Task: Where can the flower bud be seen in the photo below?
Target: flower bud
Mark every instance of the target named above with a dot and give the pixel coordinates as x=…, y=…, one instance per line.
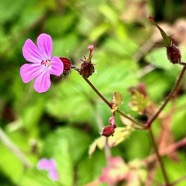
x=173, y=54
x=107, y=131
x=67, y=64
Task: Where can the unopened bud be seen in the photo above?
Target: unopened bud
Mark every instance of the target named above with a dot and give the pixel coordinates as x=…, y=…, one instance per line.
x=108, y=131
x=67, y=64
x=173, y=54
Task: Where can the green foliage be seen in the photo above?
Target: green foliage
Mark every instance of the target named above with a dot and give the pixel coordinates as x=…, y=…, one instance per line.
x=84, y=176
x=63, y=122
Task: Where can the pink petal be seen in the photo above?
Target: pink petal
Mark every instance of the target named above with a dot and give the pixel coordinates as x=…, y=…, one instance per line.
x=44, y=43
x=43, y=164
x=56, y=67
x=29, y=71
x=53, y=175
x=31, y=53
x=46, y=164
x=51, y=164
x=42, y=82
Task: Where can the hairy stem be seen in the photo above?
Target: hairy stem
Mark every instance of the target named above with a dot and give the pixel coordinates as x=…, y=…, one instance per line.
x=158, y=157
x=175, y=88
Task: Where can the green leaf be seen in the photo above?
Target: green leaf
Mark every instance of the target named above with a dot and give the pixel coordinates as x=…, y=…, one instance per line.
x=37, y=178
x=97, y=32
x=63, y=156
x=139, y=102
x=134, y=146
x=120, y=134
x=76, y=142
x=73, y=92
x=166, y=39
x=95, y=164
x=116, y=101
x=158, y=58
x=10, y=162
x=109, y=13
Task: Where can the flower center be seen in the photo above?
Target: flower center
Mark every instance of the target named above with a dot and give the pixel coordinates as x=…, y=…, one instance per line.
x=46, y=63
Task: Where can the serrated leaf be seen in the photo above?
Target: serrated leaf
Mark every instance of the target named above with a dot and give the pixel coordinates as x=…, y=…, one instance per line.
x=139, y=102
x=116, y=101
x=121, y=133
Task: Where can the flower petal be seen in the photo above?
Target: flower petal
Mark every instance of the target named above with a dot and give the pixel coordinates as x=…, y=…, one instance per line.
x=42, y=82
x=56, y=67
x=43, y=164
x=29, y=71
x=46, y=164
x=31, y=53
x=44, y=43
x=53, y=175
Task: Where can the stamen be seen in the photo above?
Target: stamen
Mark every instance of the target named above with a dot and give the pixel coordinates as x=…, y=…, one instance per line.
x=47, y=63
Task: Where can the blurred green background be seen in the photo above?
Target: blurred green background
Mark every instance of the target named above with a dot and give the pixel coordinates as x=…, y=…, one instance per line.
x=63, y=122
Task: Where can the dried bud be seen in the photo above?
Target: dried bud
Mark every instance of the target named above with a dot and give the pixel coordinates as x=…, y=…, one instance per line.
x=67, y=64
x=173, y=54
x=87, y=69
x=107, y=131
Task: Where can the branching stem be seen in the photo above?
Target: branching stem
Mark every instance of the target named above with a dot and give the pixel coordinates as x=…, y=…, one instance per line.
x=175, y=88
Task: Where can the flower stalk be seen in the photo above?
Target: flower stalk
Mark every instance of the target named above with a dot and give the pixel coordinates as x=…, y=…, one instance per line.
x=159, y=157
x=137, y=124
x=171, y=94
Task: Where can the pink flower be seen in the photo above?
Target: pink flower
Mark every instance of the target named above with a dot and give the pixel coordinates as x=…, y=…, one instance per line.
x=42, y=63
x=50, y=166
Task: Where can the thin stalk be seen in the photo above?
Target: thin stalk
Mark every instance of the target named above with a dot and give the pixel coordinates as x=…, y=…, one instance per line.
x=159, y=157
x=10, y=145
x=140, y=126
x=175, y=88
x=100, y=125
x=97, y=92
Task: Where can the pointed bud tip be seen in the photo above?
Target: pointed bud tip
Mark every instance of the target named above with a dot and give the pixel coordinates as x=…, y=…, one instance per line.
x=151, y=19
x=91, y=47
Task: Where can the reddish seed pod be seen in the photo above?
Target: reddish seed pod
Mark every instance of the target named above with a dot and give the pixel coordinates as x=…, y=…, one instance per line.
x=87, y=69
x=173, y=54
